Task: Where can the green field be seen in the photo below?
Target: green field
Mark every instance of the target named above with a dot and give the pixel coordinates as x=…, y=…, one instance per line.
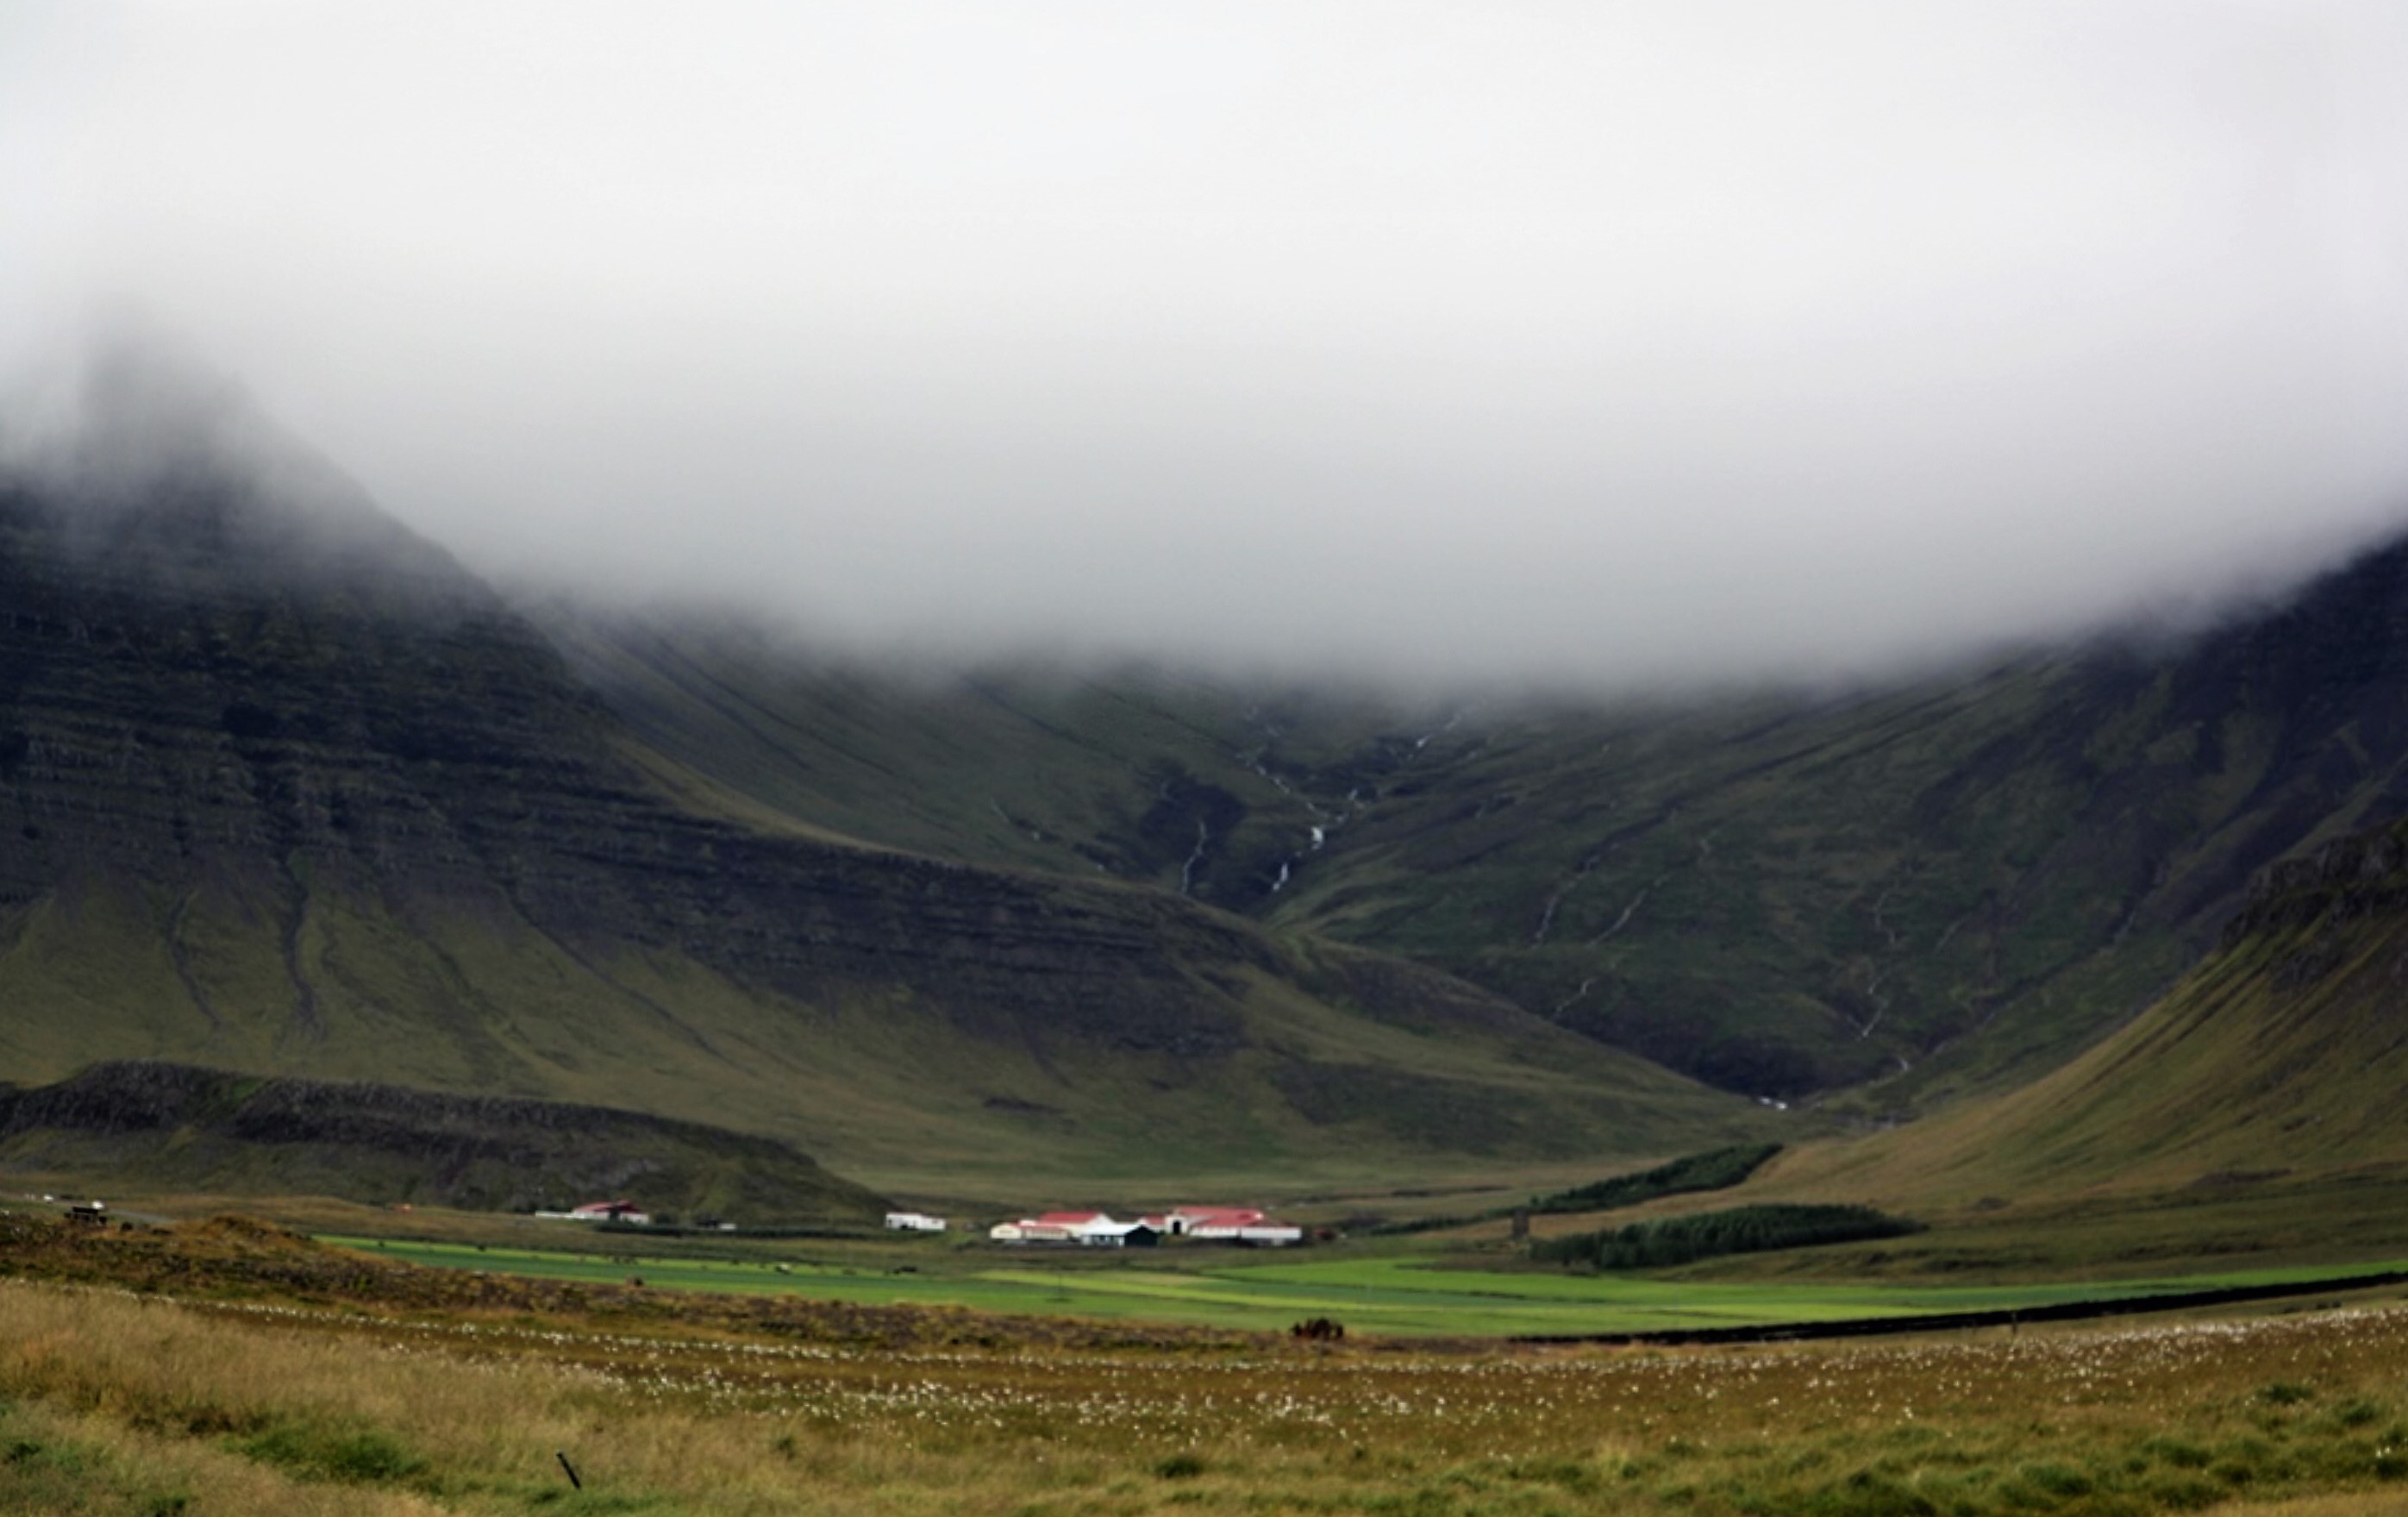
x=1390, y=1296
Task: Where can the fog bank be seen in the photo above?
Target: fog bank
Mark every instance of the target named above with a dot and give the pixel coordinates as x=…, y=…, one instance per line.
x=1583, y=343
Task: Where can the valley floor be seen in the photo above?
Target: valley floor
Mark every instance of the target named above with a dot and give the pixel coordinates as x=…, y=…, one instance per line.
x=1390, y=1296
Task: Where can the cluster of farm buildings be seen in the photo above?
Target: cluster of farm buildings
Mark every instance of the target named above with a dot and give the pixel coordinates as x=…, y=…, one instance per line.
x=1098, y=1229
x=625, y=1212
x=1088, y=1229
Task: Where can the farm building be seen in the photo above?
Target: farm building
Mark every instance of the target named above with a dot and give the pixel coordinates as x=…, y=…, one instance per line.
x=1094, y=1229
x=914, y=1221
x=1031, y=1230
x=1088, y=1229
x=1226, y=1224
x=1071, y=1226
x=611, y=1211
x=1209, y=1221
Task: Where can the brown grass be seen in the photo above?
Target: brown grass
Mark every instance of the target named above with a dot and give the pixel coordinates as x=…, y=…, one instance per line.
x=2353, y=1504
x=134, y=1403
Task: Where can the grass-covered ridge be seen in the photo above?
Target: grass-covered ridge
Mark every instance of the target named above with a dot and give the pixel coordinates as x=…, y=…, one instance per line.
x=210, y=1131
x=2273, y=1067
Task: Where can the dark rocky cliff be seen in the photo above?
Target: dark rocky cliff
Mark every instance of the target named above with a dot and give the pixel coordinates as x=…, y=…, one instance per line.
x=2361, y=875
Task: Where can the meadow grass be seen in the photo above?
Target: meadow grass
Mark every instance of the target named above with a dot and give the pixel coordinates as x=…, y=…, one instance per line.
x=115, y=1403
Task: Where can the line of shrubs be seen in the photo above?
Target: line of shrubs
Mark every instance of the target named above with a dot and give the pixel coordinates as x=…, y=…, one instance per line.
x=1680, y=1240
x=1717, y=1169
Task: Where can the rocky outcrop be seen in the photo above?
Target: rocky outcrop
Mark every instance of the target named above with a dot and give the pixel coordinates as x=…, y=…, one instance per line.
x=2364, y=875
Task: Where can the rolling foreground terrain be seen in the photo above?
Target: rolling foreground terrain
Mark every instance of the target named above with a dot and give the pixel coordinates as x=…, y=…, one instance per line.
x=228, y=1367
x=284, y=790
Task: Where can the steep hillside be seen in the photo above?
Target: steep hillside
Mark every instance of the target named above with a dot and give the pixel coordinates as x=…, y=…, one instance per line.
x=2277, y=1062
x=174, y=1127
x=1144, y=774
x=1944, y=885
x=284, y=790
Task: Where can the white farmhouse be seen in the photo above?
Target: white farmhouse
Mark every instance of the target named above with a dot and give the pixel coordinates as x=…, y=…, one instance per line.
x=1088, y=1229
x=1226, y=1224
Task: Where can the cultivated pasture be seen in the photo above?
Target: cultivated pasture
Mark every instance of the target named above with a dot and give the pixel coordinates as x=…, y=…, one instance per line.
x=1391, y=1294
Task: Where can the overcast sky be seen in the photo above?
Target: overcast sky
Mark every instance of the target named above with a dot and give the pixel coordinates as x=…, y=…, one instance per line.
x=1583, y=340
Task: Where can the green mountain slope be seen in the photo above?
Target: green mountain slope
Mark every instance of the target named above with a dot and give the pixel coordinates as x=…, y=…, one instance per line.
x=2278, y=1062
x=284, y=790
x=1146, y=775
x=174, y=1127
x=1940, y=885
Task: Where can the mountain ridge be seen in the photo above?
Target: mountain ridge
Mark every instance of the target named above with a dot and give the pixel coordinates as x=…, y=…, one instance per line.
x=265, y=810
x=1910, y=891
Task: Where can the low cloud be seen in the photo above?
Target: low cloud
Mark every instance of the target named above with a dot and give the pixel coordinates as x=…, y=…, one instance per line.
x=1584, y=344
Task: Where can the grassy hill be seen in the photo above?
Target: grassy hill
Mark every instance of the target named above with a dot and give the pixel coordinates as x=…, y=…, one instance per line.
x=2281, y=1057
x=2251, y=1113
x=1917, y=890
x=284, y=790
x=174, y=1127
